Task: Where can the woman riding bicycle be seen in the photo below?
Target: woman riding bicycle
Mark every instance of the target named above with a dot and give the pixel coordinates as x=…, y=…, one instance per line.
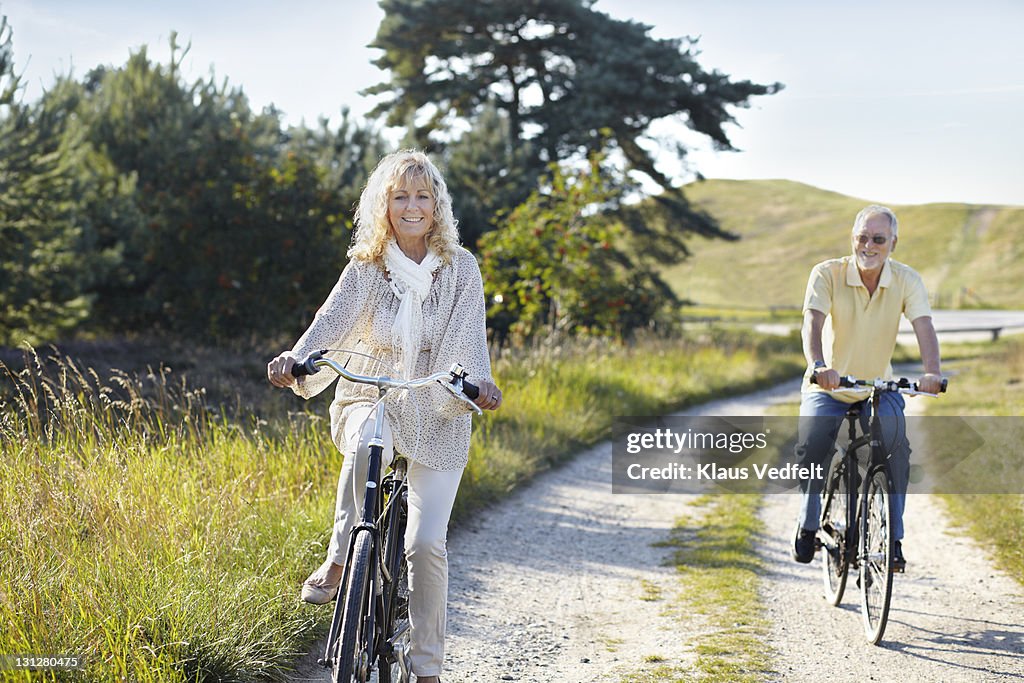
x=413, y=298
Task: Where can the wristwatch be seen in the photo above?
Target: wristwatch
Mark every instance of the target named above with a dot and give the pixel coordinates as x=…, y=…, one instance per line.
x=818, y=365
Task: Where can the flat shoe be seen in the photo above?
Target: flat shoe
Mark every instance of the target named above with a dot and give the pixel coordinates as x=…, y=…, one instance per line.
x=318, y=594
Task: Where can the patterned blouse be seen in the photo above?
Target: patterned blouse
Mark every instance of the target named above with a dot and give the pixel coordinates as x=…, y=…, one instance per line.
x=429, y=424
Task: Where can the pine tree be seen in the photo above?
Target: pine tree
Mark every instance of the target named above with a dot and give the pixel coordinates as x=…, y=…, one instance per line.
x=570, y=80
x=486, y=174
x=46, y=266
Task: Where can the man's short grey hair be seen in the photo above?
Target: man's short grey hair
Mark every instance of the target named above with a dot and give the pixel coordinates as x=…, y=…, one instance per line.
x=874, y=210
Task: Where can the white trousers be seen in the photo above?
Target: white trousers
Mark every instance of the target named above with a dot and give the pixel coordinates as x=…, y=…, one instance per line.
x=431, y=496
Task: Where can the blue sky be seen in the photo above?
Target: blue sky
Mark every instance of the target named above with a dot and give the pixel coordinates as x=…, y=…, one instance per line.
x=899, y=102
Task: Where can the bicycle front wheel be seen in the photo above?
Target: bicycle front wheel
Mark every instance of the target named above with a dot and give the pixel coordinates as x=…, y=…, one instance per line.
x=835, y=515
x=354, y=649
x=876, y=558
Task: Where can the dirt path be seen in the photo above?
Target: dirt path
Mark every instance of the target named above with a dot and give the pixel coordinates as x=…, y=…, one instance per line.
x=549, y=586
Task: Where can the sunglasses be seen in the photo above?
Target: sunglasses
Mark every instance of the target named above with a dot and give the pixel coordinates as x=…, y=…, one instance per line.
x=877, y=239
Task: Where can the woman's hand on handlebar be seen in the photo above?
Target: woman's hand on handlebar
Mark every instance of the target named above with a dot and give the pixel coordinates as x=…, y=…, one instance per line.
x=489, y=397
x=827, y=378
x=279, y=371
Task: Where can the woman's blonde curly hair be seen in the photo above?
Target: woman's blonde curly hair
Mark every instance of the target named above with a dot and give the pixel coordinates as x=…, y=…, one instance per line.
x=373, y=230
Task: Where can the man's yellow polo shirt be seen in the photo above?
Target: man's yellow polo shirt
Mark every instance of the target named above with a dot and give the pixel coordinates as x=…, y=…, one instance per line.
x=860, y=330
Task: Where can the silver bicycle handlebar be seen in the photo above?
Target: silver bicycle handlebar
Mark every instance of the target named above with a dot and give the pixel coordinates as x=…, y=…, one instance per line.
x=454, y=380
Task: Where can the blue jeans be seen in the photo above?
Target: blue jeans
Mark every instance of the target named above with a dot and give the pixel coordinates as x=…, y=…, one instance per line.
x=816, y=441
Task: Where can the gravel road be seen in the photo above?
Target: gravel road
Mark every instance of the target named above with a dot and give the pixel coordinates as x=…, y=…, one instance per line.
x=549, y=586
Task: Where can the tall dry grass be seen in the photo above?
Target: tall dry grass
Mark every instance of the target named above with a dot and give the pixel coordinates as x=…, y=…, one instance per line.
x=156, y=538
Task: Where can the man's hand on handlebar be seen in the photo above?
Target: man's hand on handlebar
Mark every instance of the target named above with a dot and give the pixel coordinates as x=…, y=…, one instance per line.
x=279, y=371
x=930, y=383
x=489, y=397
x=827, y=378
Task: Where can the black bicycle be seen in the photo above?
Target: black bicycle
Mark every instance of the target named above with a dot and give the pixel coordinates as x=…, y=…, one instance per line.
x=370, y=627
x=857, y=530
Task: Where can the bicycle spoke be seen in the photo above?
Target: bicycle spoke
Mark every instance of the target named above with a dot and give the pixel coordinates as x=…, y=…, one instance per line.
x=876, y=558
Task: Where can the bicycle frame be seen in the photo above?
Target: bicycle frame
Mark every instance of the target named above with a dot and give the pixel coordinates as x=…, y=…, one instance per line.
x=857, y=495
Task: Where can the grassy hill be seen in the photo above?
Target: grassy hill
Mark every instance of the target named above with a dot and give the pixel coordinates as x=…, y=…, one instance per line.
x=970, y=256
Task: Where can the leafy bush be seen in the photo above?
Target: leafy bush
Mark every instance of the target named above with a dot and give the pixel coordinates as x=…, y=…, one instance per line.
x=558, y=264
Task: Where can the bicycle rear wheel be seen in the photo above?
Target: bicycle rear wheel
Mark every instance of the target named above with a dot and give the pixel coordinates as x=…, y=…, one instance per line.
x=354, y=648
x=835, y=515
x=876, y=558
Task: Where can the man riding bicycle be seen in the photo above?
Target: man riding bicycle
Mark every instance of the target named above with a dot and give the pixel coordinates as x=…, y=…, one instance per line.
x=851, y=315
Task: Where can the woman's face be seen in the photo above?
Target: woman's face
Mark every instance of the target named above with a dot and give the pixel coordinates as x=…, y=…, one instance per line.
x=411, y=210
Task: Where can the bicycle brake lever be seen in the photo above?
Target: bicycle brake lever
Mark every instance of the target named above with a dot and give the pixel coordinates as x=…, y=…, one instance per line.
x=456, y=390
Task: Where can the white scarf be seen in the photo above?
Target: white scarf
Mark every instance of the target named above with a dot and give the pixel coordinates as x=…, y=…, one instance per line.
x=410, y=281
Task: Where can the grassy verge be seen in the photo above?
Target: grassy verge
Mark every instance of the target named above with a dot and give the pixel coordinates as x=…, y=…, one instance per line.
x=156, y=539
x=714, y=553
x=990, y=383
x=164, y=540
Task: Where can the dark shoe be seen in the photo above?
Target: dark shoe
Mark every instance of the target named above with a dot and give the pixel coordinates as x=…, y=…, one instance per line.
x=804, y=545
x=899, y=563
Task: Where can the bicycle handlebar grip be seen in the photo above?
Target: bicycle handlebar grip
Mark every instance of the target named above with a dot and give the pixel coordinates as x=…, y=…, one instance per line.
x=942, y=387
x=470, y=390
x=844, y=380
x=307, y=366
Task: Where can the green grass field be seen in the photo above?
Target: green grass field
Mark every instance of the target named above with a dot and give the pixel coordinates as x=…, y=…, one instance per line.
x=969, y=256
x=162, y=530
x=991, y=383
